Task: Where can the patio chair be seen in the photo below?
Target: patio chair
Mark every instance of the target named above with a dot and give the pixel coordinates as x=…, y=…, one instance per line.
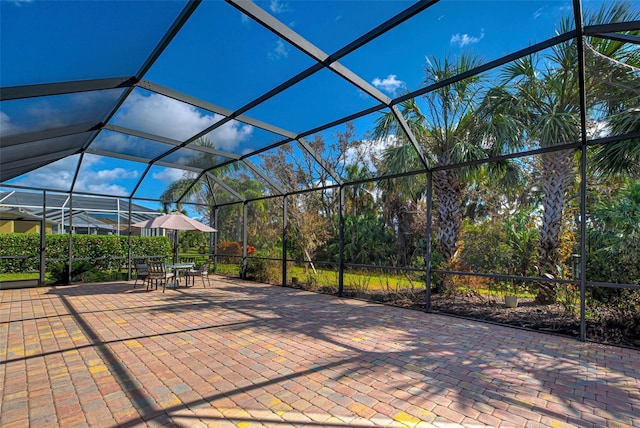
x=142, y=272
x=158, y=273
x=201, y=272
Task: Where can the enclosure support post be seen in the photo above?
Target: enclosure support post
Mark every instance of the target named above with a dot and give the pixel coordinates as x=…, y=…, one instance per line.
x=128, y=238
x=239, y=224
x=341, y=243
x=284, y=239
x=61, y=224
x=214, y=247
x=577, y=9
x=43, y=239
x=70, y=253
x=427, y=257
x=212, y=219
x=583, y=239
x=243, y=270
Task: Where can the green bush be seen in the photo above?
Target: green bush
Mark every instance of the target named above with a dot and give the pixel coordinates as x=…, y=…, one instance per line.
x=485, y=248
x=148, y=246
x=19, y=244
x=262, y=270
x=59, y=272
x=613, y=246
x=104, y=252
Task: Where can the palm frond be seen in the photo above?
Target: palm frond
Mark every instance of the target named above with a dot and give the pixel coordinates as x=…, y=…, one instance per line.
x=558, y=128
x=619, y=158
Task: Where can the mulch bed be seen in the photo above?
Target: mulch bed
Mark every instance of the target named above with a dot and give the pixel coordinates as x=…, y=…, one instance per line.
x=528, y=314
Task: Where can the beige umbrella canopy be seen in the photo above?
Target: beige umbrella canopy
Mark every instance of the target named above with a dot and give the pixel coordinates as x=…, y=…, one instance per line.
x=174, y=221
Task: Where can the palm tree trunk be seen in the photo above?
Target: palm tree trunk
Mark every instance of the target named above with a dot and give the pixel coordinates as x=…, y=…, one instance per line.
x=557, y=176
x=448, y=218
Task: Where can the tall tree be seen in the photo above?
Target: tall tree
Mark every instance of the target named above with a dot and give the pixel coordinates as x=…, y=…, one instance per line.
x=203, y=191
x=311, y=213
x=308, y=215
x=538, y=104
x=359, y=198
x=449, y=132
x=618, y=93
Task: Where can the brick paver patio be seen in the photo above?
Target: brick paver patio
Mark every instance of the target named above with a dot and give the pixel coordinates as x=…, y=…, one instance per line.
x=246, y=354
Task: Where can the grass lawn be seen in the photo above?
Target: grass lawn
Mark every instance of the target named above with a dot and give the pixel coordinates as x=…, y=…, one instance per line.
x=360, y=280
x=18, y=276
x=231, y=269
x=383, y=280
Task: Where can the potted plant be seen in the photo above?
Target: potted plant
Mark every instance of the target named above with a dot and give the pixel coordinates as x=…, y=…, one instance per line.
x=511, y=298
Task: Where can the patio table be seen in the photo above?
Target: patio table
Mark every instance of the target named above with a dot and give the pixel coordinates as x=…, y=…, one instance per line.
x=180, y=269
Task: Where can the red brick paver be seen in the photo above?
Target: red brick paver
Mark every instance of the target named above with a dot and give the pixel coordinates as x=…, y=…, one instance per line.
x=246, y=354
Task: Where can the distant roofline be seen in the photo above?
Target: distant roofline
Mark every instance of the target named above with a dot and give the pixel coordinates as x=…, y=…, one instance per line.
x=33, y=200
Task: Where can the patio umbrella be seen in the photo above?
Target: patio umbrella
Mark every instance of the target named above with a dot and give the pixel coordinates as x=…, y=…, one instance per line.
x=174, y=221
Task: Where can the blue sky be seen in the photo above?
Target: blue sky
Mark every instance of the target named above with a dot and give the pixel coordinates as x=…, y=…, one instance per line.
x=226, y=59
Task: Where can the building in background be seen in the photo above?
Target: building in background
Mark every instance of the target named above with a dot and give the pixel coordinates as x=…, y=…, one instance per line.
x=23, y=212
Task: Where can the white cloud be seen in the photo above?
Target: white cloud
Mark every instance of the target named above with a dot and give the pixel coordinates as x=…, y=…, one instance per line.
x=59, y=175
x=164, y=116
x=56, y=112
x=559, y=8
x=73, y=108
x=102, y=188
x=154, y=114
x=6, y=127
x=370, y=150
x=169, y=175
x=96, y=100
x=277, y=6
x=539, y=12
x=280, y=51
x=463, y=40
x=229, y=136
x=114, y=174
x=93, y=179
x=390, y=84
x=50, y=116
x=118, y=143
x=375, y=148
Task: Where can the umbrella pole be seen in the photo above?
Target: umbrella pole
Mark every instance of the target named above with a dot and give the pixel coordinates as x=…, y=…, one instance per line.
x=175, y=252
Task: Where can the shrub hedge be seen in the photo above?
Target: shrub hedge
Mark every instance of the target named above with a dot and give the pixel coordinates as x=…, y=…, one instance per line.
x=230, y=251
x=103, y=251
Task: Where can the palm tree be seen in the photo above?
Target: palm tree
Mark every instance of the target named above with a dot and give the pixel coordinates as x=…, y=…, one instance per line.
x=358, y=197
x=621, y=157
x=538, y=104
x=204, y=190
x=616, y=93
x=448, y=132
